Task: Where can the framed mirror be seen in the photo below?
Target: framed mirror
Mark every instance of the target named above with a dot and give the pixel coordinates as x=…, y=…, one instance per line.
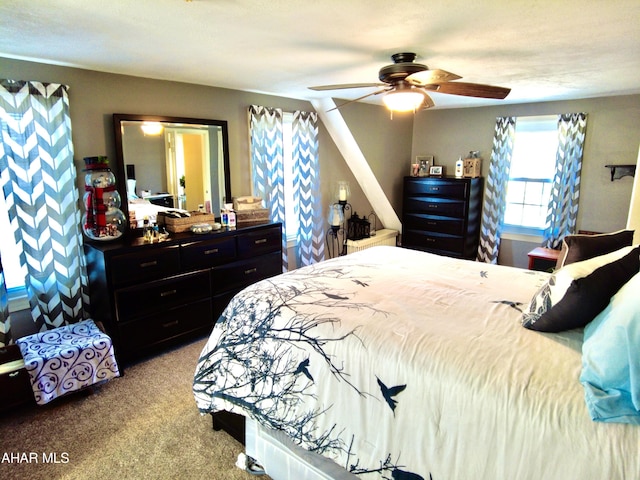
x=172, y=163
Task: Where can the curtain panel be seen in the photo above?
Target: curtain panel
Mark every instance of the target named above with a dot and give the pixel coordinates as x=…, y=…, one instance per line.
x=562, y=214
x=496, y=190
x=306, y=186
x=38, y=178
x=267, y=166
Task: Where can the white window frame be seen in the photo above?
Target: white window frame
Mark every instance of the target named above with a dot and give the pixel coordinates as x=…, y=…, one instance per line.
x=530, y=124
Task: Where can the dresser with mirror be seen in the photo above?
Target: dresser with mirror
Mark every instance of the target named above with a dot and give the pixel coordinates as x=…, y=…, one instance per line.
x=150, y=296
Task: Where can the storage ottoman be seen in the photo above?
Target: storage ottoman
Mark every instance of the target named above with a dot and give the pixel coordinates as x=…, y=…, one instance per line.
x=67, y=359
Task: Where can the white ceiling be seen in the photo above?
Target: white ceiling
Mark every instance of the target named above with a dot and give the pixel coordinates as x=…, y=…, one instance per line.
x=541, y=49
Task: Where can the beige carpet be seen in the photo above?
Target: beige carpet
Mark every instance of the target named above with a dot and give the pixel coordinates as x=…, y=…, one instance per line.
x=142, y=425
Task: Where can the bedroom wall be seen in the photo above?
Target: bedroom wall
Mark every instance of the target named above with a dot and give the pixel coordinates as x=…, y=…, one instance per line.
x=612, y=137
x=95, y=96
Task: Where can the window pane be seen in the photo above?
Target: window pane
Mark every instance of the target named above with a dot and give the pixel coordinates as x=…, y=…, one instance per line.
x=515, y=192
x=534, y=158
x=14, y=276
x=513, y=214
x=533, y=193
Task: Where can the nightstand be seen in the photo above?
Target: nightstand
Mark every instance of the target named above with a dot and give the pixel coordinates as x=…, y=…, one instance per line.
x=544, y=259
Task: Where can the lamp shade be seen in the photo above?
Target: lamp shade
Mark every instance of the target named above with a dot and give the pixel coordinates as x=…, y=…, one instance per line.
x=403, y=100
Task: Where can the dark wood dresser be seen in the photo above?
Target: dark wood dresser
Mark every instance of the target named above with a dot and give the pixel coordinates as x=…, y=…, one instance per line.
x=442, y=215
x=150, y=296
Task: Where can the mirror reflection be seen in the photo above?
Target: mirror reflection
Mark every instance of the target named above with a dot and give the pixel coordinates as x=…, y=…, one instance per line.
x=173, y=163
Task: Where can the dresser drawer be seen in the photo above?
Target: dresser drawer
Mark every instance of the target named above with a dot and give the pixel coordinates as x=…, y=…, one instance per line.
x=208, y=253
x=429, y=241
x=166, y=325
x=432, y=223
x=436, y=206
x=145, y=265
x=436, y=186
x=160, y=295
x=267, y=240
x=240, y=274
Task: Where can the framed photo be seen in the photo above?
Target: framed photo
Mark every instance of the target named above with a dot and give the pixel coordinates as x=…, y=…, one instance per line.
x=436, y=170
x=423, y=163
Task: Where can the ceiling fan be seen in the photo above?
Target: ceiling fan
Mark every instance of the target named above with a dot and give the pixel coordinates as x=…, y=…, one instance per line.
x=406, y=83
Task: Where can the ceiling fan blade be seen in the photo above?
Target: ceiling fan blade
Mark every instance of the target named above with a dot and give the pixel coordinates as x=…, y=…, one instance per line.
x=359, y=98
x=473, y=90
x=427, y=77
x=428, y=102
x=346, y=85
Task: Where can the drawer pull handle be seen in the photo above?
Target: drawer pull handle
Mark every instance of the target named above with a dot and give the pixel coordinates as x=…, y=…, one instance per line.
x=431, y=240
x=262, y=240
x=432, y=223
x=209, y=252
x=435, y=189
x=431, y=205
x=170, y=324
x=14, y=374
x=168, y=292
x=250, y=271
x=152, y=263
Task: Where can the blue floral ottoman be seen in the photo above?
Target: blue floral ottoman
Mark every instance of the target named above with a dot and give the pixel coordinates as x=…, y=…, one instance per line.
x=66, y=359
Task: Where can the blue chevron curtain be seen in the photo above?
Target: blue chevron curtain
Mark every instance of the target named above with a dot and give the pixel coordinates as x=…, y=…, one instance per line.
x=562, y=212
x=266, y=145
x=38, y=179
x=306, y=185
x=496, y=190
x=563, y=204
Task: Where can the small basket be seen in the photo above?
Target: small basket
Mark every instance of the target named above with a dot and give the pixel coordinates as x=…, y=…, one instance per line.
x=183, y=224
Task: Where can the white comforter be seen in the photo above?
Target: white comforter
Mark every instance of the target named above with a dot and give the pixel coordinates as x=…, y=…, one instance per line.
x=402, y=364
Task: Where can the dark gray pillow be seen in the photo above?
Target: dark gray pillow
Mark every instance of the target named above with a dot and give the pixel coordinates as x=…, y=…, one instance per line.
x=576, y=248
x=586, y=297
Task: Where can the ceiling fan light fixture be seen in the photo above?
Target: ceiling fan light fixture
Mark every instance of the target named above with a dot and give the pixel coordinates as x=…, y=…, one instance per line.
x=404, y=100
x=151, y=128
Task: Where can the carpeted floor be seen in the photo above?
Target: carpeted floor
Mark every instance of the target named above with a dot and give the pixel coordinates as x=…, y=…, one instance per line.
x=144, y=425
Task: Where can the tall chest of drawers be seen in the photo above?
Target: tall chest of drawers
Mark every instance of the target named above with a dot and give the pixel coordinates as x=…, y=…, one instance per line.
x=150, y=296
x=442, y=215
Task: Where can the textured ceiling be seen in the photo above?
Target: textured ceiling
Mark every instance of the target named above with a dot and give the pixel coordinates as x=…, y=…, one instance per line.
x=541, y=49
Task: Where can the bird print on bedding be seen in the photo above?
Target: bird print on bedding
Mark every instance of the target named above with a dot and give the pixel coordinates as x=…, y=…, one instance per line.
x=280, y=341
x=389, y=393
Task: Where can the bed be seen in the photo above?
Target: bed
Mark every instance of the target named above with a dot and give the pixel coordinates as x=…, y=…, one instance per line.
x=399, y=364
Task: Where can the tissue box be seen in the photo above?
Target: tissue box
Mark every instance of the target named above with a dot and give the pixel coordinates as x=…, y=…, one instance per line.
x=256, y=216
x=183, y=224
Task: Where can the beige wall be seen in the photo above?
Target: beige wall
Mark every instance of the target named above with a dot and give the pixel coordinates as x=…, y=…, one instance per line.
x=94, y=97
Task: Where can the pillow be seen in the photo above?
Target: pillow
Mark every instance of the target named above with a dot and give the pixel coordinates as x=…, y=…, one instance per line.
x=578, y=292
x=611, y=359
x=576, y=248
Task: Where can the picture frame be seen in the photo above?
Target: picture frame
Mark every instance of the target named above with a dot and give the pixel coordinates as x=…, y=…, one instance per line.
x=436, y=170
x=421, y=165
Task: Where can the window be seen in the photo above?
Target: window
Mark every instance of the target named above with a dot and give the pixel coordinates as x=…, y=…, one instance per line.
x=13, y=273
x=291, y=221
x=531, y=174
